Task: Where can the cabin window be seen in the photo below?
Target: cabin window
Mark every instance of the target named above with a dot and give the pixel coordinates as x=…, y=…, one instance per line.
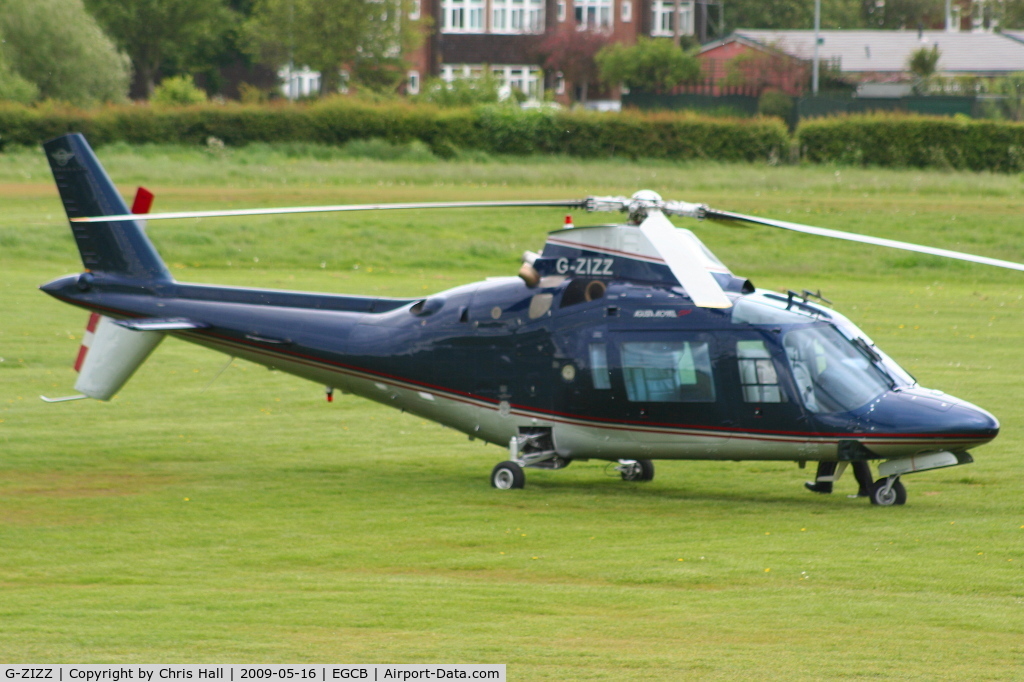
x=667, y=372
x=757, y=373
x=599, y=366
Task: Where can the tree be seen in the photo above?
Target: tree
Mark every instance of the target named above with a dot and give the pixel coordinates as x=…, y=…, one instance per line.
x=329, y=35
x=573, y=52
x=904, y=14
x=14, y=88
x=652, y=65
x=770, y=68
x=1013, y=14
x=161, y=33
x=1010, y=101
x=923, y=62
x=57, y=46
x=792, y=14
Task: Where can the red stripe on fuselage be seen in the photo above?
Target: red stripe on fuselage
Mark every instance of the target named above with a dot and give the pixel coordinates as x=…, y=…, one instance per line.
x=561, y=417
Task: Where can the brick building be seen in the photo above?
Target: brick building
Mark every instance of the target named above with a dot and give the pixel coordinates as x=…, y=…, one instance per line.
x=468, y=36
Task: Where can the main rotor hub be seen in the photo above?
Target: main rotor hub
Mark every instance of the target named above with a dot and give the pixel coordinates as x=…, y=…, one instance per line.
x=640, y=205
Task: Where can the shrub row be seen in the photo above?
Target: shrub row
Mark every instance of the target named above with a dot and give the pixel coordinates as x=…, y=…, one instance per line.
x=896, y=140
x=494, y=129
x=892, y=140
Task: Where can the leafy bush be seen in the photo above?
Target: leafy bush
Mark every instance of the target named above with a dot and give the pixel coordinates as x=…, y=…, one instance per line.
x=775, y=103
x=914, y=141
x=461, y=92
x=652, y=65
x=177, y=91
x=492, y=129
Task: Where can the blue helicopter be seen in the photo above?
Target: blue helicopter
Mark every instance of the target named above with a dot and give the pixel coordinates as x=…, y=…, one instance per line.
x=621, y=342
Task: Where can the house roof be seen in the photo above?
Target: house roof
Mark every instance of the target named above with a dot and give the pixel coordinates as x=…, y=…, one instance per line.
x=982, y=54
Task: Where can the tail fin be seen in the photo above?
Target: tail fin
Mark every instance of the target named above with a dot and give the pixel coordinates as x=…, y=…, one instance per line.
x=120, y=247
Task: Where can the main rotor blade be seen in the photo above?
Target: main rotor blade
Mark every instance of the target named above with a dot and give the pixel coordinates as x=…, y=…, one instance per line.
x=714, y=214
x=680, y=253
x=564, y=203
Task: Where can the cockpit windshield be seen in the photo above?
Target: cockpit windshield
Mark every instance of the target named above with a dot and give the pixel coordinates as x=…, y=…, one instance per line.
x=830, y=373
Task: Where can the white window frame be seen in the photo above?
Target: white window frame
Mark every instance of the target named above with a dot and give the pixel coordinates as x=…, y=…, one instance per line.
x=595, y=15
x=451, y=72
x=517, y=16
x=527, y=78
x=462, y=16
x=626, y=10
x=413, y=83
x=414, y=13
x=662, y=18
x=561, y=10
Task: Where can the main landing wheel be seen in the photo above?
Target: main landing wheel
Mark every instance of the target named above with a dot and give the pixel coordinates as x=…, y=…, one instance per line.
x=886, y=495
x=637, y=470
x=507, y=476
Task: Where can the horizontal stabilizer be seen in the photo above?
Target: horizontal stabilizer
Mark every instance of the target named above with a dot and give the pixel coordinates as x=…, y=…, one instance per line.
x=160, y=324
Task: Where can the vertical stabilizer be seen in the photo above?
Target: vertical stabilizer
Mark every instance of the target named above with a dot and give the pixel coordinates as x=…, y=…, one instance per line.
x=119, y=247
x=111, y=356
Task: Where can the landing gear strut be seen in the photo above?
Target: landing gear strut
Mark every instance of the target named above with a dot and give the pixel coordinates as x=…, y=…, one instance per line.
x=531, y=448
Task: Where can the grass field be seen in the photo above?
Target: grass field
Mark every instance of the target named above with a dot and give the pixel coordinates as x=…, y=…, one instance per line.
x=250, y=521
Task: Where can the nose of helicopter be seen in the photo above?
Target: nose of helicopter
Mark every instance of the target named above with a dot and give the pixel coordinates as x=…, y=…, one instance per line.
x=944, y=420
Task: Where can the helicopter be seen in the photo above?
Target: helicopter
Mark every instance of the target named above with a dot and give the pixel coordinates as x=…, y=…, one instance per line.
x=626, y=342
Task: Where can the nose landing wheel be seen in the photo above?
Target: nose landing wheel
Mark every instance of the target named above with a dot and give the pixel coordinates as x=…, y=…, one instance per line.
x=889, y=491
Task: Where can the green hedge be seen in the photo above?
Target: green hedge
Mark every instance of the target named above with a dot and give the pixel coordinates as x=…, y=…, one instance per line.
x=896, y=140
x=494, y=129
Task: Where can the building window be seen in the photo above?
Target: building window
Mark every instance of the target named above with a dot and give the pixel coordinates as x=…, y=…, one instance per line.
x=627, y=11
x=593, y=14
x=451, y=72
x=521, y=78
x=559, y=83
x=561, y=10
x=517, y=16
x=413, y=86
x=462, y=16
x=414, y=13
x=663, y=20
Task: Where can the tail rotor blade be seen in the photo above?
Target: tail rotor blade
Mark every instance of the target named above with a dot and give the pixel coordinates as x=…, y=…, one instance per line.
x=714, y=214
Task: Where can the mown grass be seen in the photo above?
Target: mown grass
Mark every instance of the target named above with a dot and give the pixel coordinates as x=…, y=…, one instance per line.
x=248, y=520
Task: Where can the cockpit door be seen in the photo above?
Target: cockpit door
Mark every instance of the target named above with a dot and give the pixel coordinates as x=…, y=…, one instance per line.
x=762, y=385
